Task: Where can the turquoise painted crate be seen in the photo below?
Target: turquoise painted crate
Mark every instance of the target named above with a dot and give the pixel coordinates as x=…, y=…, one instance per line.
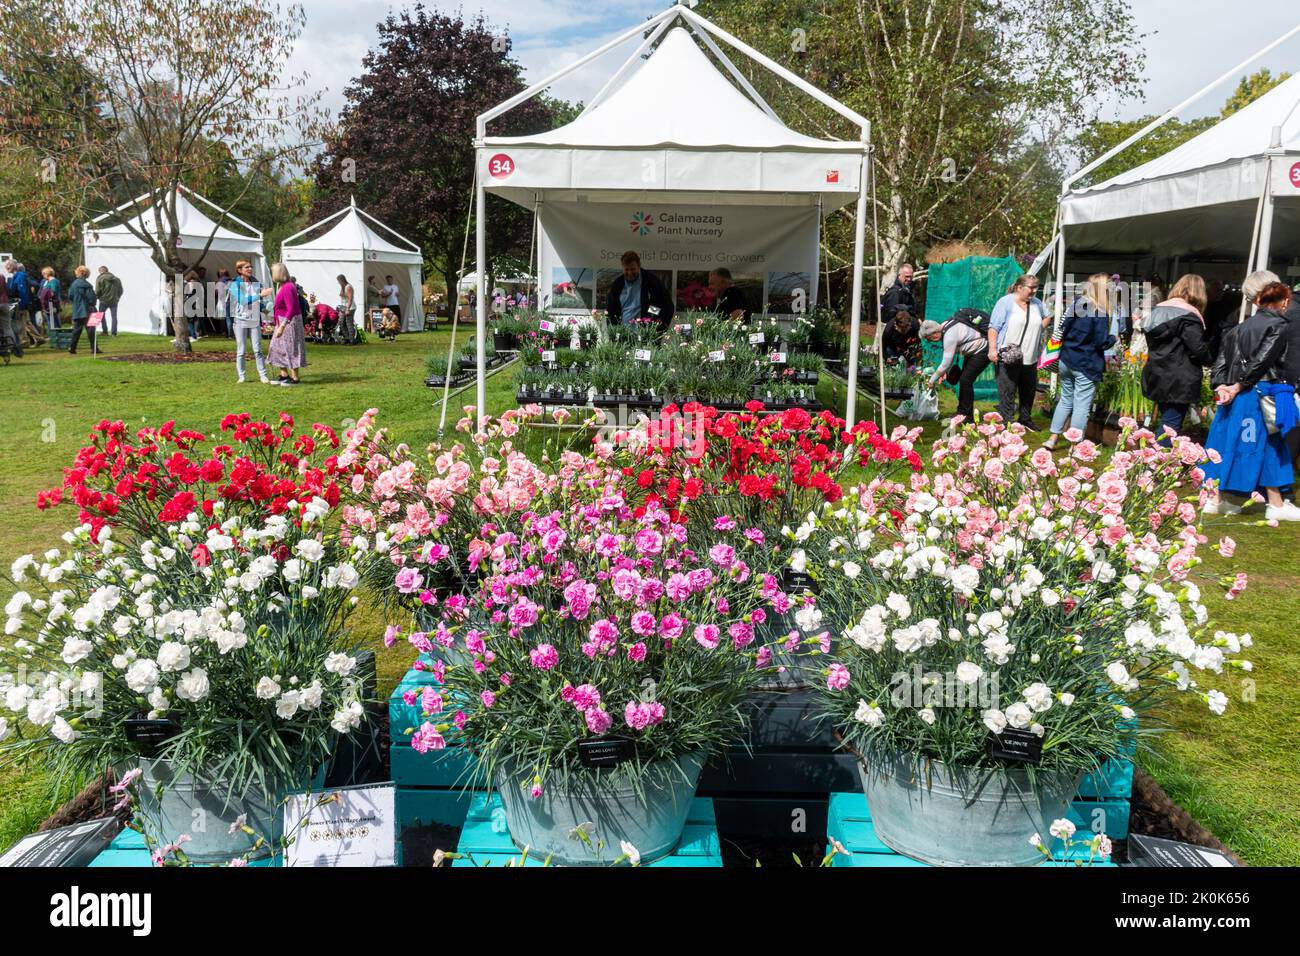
x=449, y=767
x=1114, y=781
x=128, y=850
x=487, y=840
x=849, y=822
x=1110, y=817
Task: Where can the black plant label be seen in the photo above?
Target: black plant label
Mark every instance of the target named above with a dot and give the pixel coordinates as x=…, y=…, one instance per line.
x=1022, y=746
x=605, y=751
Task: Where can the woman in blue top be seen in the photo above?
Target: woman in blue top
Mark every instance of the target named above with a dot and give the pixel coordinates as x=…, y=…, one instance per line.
x=1085, y=335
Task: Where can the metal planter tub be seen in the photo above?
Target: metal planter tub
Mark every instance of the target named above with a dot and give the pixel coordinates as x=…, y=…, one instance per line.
x=606, y=806
x=204, y=810
x=960, y=816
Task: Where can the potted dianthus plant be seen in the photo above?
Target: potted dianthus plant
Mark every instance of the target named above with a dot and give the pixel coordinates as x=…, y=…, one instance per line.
x=1008, y=620
x=193, y=632
x=596, y=667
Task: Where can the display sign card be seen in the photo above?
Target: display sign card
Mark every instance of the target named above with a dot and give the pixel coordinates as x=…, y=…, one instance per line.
x=356, y=826
x=1152, y=851
x=644, y=355
x=758, y=338
x=546, y=325
x=75, y=845
x=548, y=356
x=778, y=358
x=718, y=356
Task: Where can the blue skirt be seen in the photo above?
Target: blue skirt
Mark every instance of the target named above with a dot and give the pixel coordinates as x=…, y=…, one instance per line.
x=1252, y=459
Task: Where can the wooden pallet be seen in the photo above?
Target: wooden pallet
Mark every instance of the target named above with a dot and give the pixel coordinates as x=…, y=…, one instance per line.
x=485, y=841
x=849, y=822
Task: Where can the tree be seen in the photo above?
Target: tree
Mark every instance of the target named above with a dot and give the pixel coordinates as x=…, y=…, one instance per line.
x=1250, y=89
x=404, y=144
x=150, y=95
x=969, y=100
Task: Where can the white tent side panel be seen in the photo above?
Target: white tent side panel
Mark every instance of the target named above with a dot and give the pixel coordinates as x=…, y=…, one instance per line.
x=142, y=283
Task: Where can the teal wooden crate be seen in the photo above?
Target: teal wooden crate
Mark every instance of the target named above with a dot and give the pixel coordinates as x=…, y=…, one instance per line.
x=486, y=838
x=404, y=718
x=128, y=850
x=849, y=822
x=425, y=806
x=1114, y=781
x=449, y=767
x=1110, y=817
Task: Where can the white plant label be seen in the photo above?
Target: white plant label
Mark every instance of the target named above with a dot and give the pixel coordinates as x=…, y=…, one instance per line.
x=778, y=358
x=717, y=356
x=548, y=356
x=643, y=355
x=758, y=338
x=546, y=325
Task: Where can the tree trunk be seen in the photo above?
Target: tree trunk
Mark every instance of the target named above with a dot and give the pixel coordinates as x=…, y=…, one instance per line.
x=175, y=269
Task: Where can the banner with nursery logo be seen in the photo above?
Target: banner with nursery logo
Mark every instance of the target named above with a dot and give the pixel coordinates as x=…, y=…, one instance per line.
x=772, y=252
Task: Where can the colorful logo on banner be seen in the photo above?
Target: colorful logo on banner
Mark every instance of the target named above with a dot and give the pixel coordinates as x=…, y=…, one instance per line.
x=501, y=166
x=1295, y=175
x=642, y=223
x=832, y=176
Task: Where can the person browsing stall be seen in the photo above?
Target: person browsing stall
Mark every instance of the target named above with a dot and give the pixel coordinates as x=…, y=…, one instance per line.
x=727, y=299
x=636, y=295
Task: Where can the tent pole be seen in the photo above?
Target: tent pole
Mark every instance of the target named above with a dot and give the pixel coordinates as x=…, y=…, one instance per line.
x=1254, y=232
x=855, y=314
x=480, y=255
x=1058, y=307
x=1262, y=255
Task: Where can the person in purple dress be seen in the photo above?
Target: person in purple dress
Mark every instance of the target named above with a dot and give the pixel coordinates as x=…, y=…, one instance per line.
x=288, y=352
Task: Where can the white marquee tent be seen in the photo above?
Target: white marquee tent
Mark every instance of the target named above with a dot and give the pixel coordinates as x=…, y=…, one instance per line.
x=353, y=249
x=672, y=133
x=112, y=244
x=1233, y=188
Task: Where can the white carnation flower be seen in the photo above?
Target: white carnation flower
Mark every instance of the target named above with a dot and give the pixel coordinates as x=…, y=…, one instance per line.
x=173, y=657
x=267, y=689
x=193, y=685
x=142, y=676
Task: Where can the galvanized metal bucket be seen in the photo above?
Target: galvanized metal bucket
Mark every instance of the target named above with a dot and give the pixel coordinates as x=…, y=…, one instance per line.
x=204, y=810
x=958, y=816
x=607, y=808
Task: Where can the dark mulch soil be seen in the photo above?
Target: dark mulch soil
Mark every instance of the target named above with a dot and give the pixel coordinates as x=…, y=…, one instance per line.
x=172, y=358
x=1155, y=814
x=92, y=803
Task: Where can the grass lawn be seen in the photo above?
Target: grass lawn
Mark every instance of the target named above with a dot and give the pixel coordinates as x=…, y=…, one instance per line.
x=1238, y=774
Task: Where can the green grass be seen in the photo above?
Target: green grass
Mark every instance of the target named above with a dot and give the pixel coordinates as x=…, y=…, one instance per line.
x=1238, y=774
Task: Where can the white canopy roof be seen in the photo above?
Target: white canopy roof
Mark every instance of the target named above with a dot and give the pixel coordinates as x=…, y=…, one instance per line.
x=674, y=125
x=349, y=236
x=195, y=228
x=1199, y=199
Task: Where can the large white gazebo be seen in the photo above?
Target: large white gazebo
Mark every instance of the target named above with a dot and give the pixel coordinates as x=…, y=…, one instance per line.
x=201, y=242
x=671, y=139
x=1233, y=188
x=352, y=249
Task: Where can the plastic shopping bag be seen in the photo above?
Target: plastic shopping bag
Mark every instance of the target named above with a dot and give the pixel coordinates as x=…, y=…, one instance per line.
x=923, y=406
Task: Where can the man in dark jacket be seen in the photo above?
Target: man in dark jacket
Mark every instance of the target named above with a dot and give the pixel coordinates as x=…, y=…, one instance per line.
x=108, y=290
x=727, y=299
x=898, y=297
x=902, y=338
x=637, y=294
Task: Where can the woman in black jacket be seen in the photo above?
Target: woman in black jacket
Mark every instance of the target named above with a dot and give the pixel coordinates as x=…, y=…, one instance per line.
x=1177, y=352
x=1085, y=337
x=1251, y=445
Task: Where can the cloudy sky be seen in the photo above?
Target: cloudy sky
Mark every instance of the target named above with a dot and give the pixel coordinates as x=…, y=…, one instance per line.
x=1189, y=42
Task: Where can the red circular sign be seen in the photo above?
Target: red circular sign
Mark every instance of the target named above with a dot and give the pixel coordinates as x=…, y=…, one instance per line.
x=501, y=166
x=1295, y=175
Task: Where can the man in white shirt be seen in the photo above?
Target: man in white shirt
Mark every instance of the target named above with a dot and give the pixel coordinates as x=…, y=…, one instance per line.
x=391, y=298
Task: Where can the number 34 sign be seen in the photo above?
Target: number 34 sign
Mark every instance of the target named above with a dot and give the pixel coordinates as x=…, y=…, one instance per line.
x=1295, y=175
x=501, y=166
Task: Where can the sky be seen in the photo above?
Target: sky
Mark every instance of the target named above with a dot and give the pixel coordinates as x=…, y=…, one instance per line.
x=1189, y=43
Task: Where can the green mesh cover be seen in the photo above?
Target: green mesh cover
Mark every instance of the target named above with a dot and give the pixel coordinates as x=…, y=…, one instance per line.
x=976, y=282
